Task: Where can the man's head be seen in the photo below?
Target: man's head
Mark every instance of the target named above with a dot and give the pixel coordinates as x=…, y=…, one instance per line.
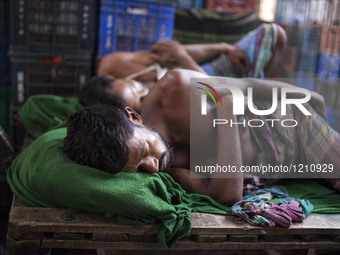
x=117, y=92
x=112, y=140
x=95, y=92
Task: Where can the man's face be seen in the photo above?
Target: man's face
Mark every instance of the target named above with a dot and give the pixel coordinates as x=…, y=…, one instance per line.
x=133, y=92
x=148, y=152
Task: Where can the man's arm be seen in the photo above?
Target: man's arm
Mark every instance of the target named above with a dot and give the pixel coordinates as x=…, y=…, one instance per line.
x=173, y=54
x=221, y=187
x=204, y=52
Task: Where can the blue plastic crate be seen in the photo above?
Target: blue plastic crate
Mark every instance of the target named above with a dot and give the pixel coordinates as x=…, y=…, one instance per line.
x=330, y=115
x=305, y=80
x=312, y=38
x=187, y=4
x=336, y=120
x=307, y=61
x=133, y=25
x=329, y=66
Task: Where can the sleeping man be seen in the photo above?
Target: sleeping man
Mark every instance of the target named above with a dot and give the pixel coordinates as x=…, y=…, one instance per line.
x=256, y=55
x=111, y=140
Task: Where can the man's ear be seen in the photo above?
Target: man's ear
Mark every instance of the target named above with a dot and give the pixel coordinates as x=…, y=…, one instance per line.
x=133, y=115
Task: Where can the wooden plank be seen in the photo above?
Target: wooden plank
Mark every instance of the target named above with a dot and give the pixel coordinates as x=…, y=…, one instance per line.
x=210, y=238
x=278, y=238
x=335, y=238
x=189, y=245
x=22, y=247
x=311, y=238
x=28, y=219
x=69, y=236
x=243, y=238
x=142, y=238
x=221, y=224
x=31, y=219
x=107, y=237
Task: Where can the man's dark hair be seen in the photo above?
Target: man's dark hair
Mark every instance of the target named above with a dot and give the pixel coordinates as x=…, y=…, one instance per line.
x=94, y=92
x=96, y=137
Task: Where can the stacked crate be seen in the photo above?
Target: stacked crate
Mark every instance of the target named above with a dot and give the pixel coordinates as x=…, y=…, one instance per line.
x=133, y=25
x=231, y=6
x=329, y=71
x=314, y=39
x=4, y=66
x=51, y=47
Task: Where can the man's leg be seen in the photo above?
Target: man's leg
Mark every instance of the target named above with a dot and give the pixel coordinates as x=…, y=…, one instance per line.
x=319, y=144
x=264, y=47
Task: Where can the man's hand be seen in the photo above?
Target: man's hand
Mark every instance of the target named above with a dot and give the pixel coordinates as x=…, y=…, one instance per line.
x=238, y=58
x=168, y=53
x=173, y=54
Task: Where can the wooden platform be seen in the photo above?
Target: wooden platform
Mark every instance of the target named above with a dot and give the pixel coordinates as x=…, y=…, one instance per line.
x=32, y=228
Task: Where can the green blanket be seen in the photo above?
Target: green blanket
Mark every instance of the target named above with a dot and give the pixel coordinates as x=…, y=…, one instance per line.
x=41, y=113
x=324, y=200
x=131, y=198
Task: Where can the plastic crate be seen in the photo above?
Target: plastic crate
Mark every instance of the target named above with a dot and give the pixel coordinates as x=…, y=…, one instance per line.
x=186, y=4
x=330, y=40
x=133, y=25
x=16, y=133
x=231, y=6
x=5, y=100
x=307, y=61
x=330, y=115
x=305, y=80
x=329, y=66
x=336, y=120
x=48, y=73
x=295, y=36
x=4, y=18
x=5, y=75
x=329, y=89
x=63, y=24
x=312, y=38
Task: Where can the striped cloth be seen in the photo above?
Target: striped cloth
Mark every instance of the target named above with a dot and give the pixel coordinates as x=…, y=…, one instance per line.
x=312, y=141
x=258, y=45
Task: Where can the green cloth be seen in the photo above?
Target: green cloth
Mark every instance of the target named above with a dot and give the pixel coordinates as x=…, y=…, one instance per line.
x=41, y=113
x=324, y=200
x=131, y=198
x=42, y=175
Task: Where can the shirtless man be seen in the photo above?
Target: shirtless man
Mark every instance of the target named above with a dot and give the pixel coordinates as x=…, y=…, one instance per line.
x=135, y=76
x=269, y=41
x=167, y=109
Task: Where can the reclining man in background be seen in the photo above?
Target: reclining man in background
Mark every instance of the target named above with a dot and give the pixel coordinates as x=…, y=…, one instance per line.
x=256, y=55
x=125, y=143
x=263, y=46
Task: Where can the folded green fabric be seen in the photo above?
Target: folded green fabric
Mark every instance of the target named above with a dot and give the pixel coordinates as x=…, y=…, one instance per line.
x=42, y=175
x=41, y=113
x=324, y=200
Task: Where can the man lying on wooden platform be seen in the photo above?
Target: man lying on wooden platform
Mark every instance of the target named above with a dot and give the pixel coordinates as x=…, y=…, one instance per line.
x=44, y=176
